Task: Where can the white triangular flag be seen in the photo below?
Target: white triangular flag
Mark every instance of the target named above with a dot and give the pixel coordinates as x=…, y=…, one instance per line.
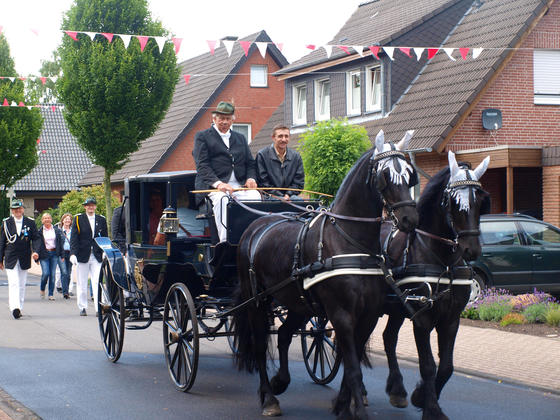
x=90, y=34
x=476, y=52
x=160, y=40
x=229, y=46
x=390, y=51
x=262, y=46
x=30, y=107
x=359, y=49
x=12, y=79
x=418, y=52
x=328, y=50
x=14, y=103
x=54, y=78
x=125, y=39
x=449, y=52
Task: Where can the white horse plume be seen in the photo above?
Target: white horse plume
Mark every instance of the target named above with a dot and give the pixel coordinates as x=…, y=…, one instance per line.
x=461, y=195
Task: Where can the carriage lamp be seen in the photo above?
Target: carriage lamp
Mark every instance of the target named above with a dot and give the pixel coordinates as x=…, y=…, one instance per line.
x=169, y=222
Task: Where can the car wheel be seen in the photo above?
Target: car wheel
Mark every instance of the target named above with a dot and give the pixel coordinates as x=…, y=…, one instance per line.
x=478, y=285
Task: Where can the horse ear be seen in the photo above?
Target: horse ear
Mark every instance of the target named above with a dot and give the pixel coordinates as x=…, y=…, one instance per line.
x=481, y=169
x=403, y=144
x=379, y=141
x=453, y=167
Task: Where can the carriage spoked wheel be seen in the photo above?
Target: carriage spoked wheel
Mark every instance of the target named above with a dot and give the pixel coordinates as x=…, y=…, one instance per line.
x=321, y=359
x=110, y=313
x=180, y=336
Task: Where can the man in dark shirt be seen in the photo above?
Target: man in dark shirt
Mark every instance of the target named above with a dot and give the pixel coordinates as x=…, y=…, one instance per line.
x=279, y=166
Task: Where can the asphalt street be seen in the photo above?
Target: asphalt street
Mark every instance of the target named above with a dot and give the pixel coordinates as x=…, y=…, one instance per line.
x=51, y=361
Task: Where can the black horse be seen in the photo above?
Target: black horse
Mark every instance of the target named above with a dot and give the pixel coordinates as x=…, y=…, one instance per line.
x=273, y=248
x=448, y=233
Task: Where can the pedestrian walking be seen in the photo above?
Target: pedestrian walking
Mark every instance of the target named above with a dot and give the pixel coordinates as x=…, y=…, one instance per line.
x=85, y=253
x=66, y=229
x=18, y=238
x=50, y=250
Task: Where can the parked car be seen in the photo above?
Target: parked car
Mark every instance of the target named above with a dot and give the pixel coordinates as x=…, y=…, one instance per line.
x=519, y=253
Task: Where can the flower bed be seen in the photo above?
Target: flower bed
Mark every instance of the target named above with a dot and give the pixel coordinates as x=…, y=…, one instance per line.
x=501, y=306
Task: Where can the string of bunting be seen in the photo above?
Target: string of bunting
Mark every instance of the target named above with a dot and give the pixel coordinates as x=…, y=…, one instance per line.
x=15, y=104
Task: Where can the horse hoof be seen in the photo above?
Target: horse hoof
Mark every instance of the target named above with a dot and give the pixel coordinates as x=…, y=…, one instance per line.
x=417, y=398
x=365, y=401
x=272, y=411
x=398, y=401
x=278, y=386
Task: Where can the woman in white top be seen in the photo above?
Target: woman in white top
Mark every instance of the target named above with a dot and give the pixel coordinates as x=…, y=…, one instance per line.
x=50, y=249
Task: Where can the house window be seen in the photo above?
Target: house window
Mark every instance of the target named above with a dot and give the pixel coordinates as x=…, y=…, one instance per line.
x=322, y=99
x=259, y=76
x=546, y=77
x=353, y=92
x=373, y=88
x=300, y=105
x=244, y=129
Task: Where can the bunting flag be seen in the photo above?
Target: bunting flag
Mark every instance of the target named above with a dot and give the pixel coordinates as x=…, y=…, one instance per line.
x=418, y=52
x=213, y=45
x=359, y=49
x=310, y=46
x=405, y=50
x=160, y=41
x=43, y=80
x=476, y=52
x=108, y=36
x=432, y=52
x=143, y=41
x=344, y=48
x=262, y=46
x=91, y=35
x=464, y=52
x=389, y=51
x=449, y=52
x=279, y=45
x=72, y=34
x=374, y=50
x=328, y=50
x=177, y=44
x=245, y=45
x=229, y=46
x=187, y=77
x=125, y=40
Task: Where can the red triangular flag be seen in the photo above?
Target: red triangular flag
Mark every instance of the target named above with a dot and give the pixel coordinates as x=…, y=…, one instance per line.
x=187, y=77
x=279, y=45
x=72, y=34
x=212, y=46
x=464, y=52
x=22, y=79
x=344, y=48
x=177, y=43
x=53, y=107
x=405, y=50
x=21, y=104
x=432, y=52
x=245, y=45
x=143, y=41
x=374, y=51
x=38, y=140
x=43, y=80
x=5, y=102
x=107, y=35
x=310, y=46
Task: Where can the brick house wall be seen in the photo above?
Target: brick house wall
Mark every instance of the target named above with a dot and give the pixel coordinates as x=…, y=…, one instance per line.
x=247, y=111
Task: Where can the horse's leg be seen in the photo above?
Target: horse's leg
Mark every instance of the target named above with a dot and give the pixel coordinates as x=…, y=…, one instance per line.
x=364, y=330
x=395, y=386
x=281, y=380
x=424, y=396
x=447, y=332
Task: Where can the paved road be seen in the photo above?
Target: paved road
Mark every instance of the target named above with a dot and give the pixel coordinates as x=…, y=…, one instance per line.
x=52, y=363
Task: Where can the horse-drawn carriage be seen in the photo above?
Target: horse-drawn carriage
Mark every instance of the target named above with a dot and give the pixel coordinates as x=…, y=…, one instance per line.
x=189, y=281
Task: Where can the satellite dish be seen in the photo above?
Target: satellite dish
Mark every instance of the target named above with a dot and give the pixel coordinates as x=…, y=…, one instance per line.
x=492, y=119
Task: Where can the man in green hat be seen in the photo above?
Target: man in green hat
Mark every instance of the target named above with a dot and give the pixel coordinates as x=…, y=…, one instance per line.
x=85, y=253
x=225, y=163
x=18, y=238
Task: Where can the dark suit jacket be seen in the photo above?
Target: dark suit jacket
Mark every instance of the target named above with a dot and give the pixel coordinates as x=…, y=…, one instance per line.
x=274, y=173
x=81, y=240
x=42, y=250
x=20, y=249
x=215, y=162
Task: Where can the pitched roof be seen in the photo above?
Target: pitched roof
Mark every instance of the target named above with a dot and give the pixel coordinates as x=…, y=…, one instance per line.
x=263, y=139
x=374, y=23
x=444, y=90
x=189, y=102
x=62, y=163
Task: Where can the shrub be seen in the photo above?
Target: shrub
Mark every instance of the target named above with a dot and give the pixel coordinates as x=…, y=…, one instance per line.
x=470, y=313
x=493, y=311
x=513, y=318
x=536, y=313
x=552, y=316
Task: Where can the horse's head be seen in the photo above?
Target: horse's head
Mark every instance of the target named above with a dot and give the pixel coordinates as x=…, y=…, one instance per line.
x=393, y=177
x=464, y=201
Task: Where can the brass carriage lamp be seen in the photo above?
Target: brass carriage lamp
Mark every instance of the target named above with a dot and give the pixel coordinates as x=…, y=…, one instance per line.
x=169, y=223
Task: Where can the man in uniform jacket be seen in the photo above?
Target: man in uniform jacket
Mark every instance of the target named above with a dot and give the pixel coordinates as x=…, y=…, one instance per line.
x=224, y=162
x=18, y=238
x=278, y=166
x=84, y=251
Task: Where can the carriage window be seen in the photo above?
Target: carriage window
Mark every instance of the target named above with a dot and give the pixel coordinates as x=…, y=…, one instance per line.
x=322, y=100
x=299, y=100
x=499, y=233
x=540, y=234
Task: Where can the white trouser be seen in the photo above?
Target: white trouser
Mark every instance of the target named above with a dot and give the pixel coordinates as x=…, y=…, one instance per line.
x=16, y=286
x=91, y=268
x=219, y=204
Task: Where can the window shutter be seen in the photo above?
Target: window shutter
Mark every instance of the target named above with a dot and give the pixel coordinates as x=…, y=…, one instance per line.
x=546, y=66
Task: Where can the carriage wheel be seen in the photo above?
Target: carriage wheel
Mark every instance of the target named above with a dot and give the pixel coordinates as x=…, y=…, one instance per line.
x=319, y=351
x=180, y=336
x=110, y=313
x=228, y=323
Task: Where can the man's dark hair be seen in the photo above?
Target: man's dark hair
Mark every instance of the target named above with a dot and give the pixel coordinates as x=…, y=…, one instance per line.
x=279, y=127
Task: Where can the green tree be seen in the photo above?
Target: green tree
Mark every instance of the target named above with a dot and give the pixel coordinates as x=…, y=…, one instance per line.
x=72, y=203
x=36, y=90
x=328, y=151
x=19, y=130
x=114, y=96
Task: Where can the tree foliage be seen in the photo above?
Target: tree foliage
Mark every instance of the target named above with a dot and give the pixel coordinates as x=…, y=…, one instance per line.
x=19, y=130
x=36, y=90
x=328, y=151
x=72, y=203
x=114, y=96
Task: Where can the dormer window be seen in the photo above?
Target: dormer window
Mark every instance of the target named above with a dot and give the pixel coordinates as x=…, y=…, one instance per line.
x=259, y=76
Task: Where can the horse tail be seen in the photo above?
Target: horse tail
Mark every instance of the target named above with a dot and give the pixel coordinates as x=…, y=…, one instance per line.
x=250, y=323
